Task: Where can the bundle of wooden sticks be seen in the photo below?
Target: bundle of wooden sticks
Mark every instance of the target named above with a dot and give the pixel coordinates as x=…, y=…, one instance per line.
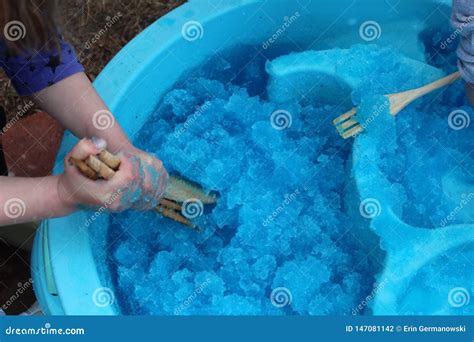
x=105, y=164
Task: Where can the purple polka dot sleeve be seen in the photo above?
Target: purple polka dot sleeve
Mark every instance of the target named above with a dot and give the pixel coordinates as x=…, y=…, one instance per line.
x=463, y=21
x=32, y=72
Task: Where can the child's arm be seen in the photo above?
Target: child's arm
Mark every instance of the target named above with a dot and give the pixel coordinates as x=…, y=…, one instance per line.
x=463, y=21
x=75, y=103
x=30, y=199
x=56, y=80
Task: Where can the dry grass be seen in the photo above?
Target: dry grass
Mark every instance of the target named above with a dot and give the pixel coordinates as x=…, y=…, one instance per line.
x=82, y=20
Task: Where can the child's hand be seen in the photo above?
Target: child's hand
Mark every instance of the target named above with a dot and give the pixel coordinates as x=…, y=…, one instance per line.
x=138, y=184
x=150, y=179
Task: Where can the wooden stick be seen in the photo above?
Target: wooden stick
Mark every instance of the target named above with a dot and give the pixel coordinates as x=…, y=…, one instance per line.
x=399, y=101
x=83, y=168
x=102, y=169
x=180, y=190
x=103, y=165
x=171, y=214
x=170, y=204
x=109, y=159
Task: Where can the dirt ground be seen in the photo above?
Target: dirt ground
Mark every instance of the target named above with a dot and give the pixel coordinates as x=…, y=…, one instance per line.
x=82, y=20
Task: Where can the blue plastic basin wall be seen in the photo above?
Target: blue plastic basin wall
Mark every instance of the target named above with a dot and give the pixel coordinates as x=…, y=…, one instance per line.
x=65, y=270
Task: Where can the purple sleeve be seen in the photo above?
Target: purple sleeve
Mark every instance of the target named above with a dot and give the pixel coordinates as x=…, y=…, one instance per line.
x=463, y=21
x=33, y=72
